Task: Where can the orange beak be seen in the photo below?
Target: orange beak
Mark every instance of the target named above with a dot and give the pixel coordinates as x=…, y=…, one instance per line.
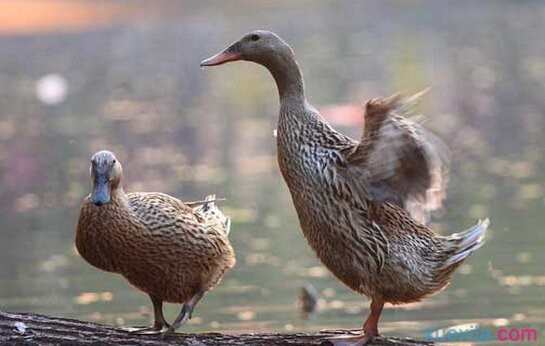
x=221, y=58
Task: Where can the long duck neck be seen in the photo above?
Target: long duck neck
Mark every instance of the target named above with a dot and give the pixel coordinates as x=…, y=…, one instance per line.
x=289, y=80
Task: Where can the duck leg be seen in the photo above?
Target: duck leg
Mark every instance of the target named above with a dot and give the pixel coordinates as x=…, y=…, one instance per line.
x=185, y=313
x=159, y=324
x=370, y=329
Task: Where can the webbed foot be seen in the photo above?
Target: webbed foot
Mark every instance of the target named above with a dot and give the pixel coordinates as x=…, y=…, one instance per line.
x=185, y=314
x=153, y=330
x=350, y=340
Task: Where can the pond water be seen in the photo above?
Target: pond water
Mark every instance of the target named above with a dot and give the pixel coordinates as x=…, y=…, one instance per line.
x=132, y=84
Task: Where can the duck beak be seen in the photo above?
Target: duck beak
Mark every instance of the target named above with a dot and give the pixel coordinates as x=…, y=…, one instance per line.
x=101, y=192
x=221, y=58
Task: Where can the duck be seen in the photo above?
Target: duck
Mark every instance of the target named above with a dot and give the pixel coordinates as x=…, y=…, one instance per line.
x=173, y=251
x=362, y=204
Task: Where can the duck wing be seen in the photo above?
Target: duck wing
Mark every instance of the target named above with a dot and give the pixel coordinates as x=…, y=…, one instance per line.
x=158, y=210
x=399, y=160
x=149, y=202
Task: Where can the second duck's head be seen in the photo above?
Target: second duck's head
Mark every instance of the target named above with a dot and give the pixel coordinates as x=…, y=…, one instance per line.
x=106, y=172
x=260, y=46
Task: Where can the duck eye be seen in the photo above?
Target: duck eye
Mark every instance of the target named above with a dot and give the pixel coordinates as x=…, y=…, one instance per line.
x=254, y=37
x=114, y=161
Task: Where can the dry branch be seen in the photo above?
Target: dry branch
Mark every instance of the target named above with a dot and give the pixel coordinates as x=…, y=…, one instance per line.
x=34, y=329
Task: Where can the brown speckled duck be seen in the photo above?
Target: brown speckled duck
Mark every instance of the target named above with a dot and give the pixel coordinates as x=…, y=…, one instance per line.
x=171, y=250
x=361, y=204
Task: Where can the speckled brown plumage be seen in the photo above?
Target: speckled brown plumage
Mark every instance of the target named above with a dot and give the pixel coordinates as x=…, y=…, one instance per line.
x=361, y=204
x=162, y=246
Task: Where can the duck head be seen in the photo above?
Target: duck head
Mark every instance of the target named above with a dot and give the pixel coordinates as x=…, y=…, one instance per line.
x=106, y=172
x=259, y=46
x=269, y=50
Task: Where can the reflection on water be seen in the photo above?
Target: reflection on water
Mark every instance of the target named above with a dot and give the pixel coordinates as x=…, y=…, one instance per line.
x=136, y=88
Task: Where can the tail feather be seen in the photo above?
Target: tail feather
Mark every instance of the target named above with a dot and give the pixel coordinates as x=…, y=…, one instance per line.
x=466, y=243
x=213, y=216
x=207, y=200
x=209, y=203
x=227, y=225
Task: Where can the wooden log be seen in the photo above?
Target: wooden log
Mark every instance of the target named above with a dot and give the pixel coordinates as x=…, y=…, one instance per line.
x=34, y=329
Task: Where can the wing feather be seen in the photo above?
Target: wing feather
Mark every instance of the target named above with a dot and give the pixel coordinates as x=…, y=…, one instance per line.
x=399, y=160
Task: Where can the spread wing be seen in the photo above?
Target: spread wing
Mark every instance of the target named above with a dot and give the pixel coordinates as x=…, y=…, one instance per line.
x=399, y=160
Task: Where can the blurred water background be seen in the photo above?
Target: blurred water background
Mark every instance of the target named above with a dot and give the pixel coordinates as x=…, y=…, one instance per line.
x=79, y=76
